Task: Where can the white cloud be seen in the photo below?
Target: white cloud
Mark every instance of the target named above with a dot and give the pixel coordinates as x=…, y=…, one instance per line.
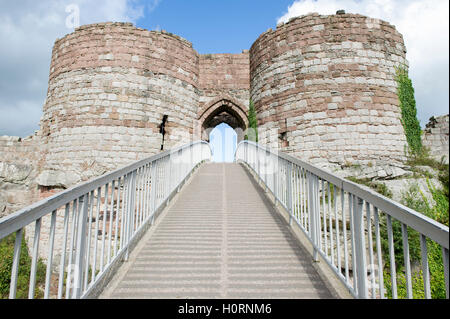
x=28, y=29
x=151, y=5
x=425, y=28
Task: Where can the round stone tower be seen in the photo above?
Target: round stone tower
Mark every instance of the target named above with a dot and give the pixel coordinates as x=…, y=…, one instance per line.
x=110, y=85
x=325, y=86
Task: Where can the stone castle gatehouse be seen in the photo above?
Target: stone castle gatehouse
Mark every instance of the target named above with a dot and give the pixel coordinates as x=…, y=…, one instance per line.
x=323, y=88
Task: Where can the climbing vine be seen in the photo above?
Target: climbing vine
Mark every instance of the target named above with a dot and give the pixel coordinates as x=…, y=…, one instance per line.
x=252, y=132
x=411, y=125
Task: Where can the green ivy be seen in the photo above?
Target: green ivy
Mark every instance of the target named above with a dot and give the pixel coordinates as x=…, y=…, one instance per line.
x=252, y=123
x=411, y=125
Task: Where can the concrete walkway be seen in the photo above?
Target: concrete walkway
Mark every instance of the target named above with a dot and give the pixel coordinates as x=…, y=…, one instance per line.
x=222, y=238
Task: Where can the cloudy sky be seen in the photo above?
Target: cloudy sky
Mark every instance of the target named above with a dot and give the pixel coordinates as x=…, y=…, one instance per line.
x=28, y=29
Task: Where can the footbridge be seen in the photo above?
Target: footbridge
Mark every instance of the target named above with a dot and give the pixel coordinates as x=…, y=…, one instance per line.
x=268, y=226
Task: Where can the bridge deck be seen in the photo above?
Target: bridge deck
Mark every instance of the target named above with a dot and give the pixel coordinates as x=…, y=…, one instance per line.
x=222, y=238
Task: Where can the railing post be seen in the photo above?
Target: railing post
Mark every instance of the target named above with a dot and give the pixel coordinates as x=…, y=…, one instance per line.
x=81, y=247
x=360, y=248
x=250, y=156
x=265, y=170
x=257, y=161
x=169, y=188
x=15, y=265
x=130, y=210
x=289, y=191
x=153, y=193
x=312, y=211
x=246, y=152
x=179, y=171
x=255, y=164
x=275, y=178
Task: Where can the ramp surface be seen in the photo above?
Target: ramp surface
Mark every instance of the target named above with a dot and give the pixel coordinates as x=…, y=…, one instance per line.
x=222, y=238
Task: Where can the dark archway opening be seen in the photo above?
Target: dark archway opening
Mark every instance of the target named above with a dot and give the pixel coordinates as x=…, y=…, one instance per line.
x=227, y=115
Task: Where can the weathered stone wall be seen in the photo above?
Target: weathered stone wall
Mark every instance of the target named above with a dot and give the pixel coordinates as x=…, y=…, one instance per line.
x=327, y=84
x=18, y=170
x=224, y=83
x=224, y=75
x=435, y=137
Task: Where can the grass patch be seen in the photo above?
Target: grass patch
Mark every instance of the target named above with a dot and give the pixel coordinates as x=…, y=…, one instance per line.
x=423, y=158
x=6, y=262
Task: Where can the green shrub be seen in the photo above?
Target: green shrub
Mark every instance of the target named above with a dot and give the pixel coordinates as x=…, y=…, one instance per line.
x=437, y=280
x=6, y=261
x=415, y=199
x=423, y=158
x=413, y=241
x=416, y=280
x=438, y=211
x=443, y=178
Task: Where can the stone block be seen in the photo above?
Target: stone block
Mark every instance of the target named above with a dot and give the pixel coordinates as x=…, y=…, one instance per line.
x=14, y=172
x=55, y=178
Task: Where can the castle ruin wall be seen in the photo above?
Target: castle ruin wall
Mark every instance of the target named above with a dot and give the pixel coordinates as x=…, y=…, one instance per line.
x=435, y=137
x=224, y=75
x=19, y=158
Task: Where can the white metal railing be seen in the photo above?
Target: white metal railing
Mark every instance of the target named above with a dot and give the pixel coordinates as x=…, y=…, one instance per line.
x=347, y=223
x=96, y=223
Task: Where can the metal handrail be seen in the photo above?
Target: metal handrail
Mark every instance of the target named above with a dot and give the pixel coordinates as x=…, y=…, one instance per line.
x=308, y=194
x=128, y=199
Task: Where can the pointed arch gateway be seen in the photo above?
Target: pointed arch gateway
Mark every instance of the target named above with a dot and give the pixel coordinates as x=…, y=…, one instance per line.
x=224, y=110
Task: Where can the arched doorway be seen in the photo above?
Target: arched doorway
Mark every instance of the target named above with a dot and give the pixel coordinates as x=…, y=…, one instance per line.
x=223, y=110
x=223, y=141
x=223, y=124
